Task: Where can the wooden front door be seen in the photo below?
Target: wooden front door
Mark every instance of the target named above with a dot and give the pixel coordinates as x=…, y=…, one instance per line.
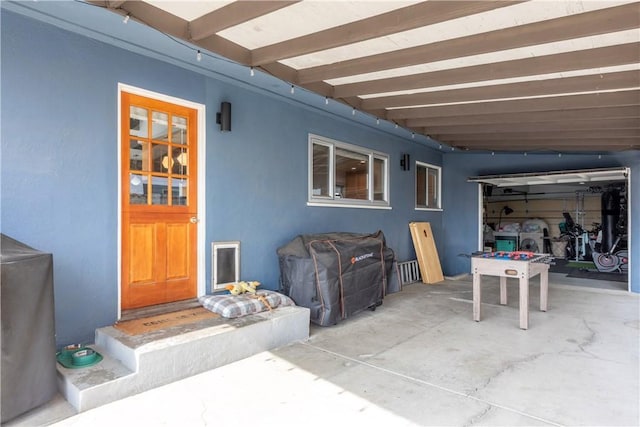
x=159, y=206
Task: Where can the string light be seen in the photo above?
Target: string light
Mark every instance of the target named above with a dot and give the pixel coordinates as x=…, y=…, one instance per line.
x=413, y=135
x=293, y=90
x=326, y=100
x=252, y=72
x=559, y=154
x=353, y=112
x=440, y=147
x=199, y=56
x=599, y=156
x=493, y=153
x=525, y=153
x=396, y=126
x=126, y=18
x=377, y=121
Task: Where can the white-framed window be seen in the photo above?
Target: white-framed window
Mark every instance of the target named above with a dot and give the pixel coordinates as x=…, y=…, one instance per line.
x=428, y=186
x=342, y=174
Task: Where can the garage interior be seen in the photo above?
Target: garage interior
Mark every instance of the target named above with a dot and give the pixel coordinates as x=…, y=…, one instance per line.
x=579, y=217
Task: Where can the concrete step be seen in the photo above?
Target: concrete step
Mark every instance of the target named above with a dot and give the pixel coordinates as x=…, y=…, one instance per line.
x=136, y=363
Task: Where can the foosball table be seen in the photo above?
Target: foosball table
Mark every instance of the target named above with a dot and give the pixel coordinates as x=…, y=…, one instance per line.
x=520, y=265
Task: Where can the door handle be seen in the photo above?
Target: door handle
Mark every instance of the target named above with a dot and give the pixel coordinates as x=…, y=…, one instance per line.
x=194, y=220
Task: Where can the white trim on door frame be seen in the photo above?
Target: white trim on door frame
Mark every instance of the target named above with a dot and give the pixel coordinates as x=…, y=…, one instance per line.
x=201, y=244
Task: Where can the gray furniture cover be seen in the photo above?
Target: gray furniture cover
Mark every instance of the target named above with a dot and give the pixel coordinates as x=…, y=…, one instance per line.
x=337, y=275
x=28, y=332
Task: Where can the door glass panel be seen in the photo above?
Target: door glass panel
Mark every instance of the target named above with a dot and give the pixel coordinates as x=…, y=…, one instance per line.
x=138, y=121
x=179, y=130
x=137, y=189
x=158, y=157
x=159, y=190
x=138, y=155
x=159, y=126
x=180, y=160
x=179, y=188
x=179, y=156
x=161, y=160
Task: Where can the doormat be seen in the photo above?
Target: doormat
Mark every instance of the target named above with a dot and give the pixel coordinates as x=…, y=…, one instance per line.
x=162, y=321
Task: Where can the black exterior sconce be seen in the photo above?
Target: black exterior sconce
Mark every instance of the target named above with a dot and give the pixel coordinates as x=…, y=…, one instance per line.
x=405, y=162
x=223, y=118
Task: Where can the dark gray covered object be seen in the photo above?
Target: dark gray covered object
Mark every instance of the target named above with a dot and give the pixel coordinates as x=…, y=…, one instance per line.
x=337, y=275
x=28, y=331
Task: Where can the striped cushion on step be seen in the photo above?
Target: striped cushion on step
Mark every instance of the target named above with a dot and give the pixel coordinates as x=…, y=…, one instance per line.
x=231, y=306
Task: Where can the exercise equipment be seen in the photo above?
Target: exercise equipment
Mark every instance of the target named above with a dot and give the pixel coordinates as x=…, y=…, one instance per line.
x=612, y=260
x=607, y=256
x=610, y=217
x=577, y=247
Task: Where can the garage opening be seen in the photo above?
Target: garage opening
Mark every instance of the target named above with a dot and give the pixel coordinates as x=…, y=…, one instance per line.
x=580, y=217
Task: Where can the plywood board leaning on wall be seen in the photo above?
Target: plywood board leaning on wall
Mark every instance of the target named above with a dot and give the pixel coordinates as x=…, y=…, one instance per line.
x=426, y=252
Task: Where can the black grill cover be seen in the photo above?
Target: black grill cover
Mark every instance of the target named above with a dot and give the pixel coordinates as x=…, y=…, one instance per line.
x=337, y=275
x=28, y=331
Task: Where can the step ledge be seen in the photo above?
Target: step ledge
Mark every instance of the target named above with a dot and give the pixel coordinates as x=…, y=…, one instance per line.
x=132, y=365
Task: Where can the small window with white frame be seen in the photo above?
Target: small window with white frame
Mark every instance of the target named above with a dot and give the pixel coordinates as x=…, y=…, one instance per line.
x=342, y=174
x=428, y=185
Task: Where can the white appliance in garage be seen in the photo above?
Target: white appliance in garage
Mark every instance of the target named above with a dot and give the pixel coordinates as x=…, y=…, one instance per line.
x=533, y=242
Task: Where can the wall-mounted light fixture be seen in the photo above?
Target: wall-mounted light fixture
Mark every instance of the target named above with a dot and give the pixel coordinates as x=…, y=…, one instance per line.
x=223, y=118
x=405, y=162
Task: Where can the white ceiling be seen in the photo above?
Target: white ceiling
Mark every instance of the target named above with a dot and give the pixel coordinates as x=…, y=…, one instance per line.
x=538, y=75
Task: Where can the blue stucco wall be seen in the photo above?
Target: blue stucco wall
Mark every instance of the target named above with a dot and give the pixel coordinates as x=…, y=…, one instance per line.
x=58, y=169
x=59, y=166
x=460, y=224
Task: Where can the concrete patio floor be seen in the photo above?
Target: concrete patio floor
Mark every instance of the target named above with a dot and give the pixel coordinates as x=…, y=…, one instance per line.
x=419, y=359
